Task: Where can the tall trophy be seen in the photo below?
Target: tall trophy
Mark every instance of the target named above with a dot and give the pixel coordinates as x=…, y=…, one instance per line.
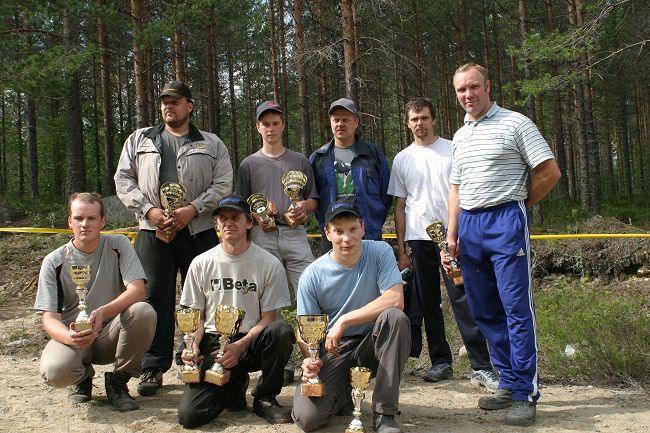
x=437, y=233
x=360, y=379
x=293, y=183
x=261, y=206
x=227, y=320
x=172, y=195
x=81, y=276
x=313, y=329
x=187, y=320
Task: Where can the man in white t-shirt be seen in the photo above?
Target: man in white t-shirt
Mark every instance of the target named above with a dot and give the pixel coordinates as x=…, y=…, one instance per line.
x=241, y=274
x=420, y=182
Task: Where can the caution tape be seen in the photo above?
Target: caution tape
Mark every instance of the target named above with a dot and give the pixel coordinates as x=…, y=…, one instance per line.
x=130, y=235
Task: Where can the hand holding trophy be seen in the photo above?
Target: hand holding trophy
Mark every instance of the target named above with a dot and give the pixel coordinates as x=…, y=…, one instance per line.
x=313, y=329
x=437, y=233
x=81, y=276
x=172, y=195
x=227, y=320
x=262, y=208
x=360, y=379
x=293, y=182
x=187, y=320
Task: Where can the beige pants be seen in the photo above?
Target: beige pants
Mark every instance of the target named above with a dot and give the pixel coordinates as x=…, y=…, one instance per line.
x=123, y=341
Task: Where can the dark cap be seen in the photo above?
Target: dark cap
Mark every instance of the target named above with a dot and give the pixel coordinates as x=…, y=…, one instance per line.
x=268, y=106
x=340, y=207
x=176, y=89
x=344, y=103
x=235, y=202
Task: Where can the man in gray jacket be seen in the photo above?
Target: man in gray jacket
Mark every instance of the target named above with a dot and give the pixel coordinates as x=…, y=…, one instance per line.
x=175, y=151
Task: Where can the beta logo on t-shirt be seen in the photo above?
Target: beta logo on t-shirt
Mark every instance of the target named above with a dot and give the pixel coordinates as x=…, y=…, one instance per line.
x=222, y=284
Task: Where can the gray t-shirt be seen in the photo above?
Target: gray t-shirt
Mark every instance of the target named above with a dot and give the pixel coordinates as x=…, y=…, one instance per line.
x=343, y=157
x=170, y=144
x=113, y=265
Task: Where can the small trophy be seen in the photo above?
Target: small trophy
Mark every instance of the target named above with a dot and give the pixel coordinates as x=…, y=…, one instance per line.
x=172, y=195
x=227, y=320
x=360, y=379
x=81, y=276
x=293, y=182
x=436, y=232
x=261, y=206
x=313, y=328
x=187, y=320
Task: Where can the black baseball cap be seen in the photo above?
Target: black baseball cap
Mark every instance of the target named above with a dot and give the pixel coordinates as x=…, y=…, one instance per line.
x=341, y=207
x=268, y=106
x=176, y=89
x=344, y=103
x=236, y=202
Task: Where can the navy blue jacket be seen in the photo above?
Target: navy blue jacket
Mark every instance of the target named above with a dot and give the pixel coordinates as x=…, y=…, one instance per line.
x=370, y=176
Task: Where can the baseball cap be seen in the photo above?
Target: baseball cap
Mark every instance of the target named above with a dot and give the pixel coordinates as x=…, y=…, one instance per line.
x=236, y=202
x=268, y=106
x=176, y=89
x=340, y=207
x=344, y=103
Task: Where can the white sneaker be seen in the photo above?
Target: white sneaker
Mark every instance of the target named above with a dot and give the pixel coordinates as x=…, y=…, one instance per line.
x=486, y=378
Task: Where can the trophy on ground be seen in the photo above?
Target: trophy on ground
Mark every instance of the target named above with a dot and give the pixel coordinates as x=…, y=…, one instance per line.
x=260, y=206
x=360, y=379
x=81, y=276
x=187, y=320
x=313, y=329
x=437, y=233
x=172, y=195
x=293, y=182
x=227, y=320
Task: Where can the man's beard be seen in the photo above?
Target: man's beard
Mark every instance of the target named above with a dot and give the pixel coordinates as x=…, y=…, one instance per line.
x=177, y=122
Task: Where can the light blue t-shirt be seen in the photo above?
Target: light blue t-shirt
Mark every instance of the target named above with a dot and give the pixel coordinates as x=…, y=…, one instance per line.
x=326, y=287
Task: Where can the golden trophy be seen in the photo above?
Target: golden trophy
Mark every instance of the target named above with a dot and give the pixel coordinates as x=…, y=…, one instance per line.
x=227, y=320
x=187, y=321
x=261, y=206
x=360, y=379
x=313, y=329
x=81, y=276
x=437, y=233
x=293, y=182
x=172, y=195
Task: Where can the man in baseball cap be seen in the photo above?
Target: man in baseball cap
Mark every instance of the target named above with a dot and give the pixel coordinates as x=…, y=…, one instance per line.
x=176, y=89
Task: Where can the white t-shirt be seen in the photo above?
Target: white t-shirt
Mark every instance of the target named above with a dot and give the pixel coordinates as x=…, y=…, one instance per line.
x=421, y=175
x=253, y=281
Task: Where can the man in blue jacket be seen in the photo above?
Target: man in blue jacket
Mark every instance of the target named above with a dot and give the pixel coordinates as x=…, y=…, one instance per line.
x=351, y=168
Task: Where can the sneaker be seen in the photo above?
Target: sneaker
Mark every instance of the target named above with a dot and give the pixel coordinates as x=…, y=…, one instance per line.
x=501, y=399
x=117, y=392
x=385, y=423
x=239, y=388
x=150, y=381
x=269, y=409
x=522, y=413
x=82, y=392
x=487, y=378
x=438, y=372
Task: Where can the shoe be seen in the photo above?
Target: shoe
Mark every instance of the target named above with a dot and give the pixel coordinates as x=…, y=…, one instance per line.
x=438, y=372
x=522, y=413
x=150, y=381
x=239, y=389
x=501, y=399
x=269, y=409
x=487, y=378
x=82, y=392
x=117, y=392
x=384, y=423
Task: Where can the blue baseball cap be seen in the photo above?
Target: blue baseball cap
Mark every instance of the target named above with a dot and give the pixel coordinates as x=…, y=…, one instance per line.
x=236, y=202
x=341, y=207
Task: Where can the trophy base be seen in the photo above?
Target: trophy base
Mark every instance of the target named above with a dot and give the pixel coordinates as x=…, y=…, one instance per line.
x=191, y=376
x=165, y=236
x=219, y=379
x=312, y=389
x=456, y=277
x=81, y=326
x=355, y=430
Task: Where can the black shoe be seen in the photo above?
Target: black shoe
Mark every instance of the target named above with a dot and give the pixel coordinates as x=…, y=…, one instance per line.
x=385, y=423
x=439, y=372
x=82, y=392
x=117, y=392
x=150, y=381
x=269, y=409
x=501, y=399
x=522, y=413
x=238, y=389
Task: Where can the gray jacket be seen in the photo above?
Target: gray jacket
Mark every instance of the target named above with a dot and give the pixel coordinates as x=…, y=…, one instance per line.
x=204, y=168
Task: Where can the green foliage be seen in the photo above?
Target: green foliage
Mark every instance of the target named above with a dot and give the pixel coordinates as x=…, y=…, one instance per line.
x=564, y=214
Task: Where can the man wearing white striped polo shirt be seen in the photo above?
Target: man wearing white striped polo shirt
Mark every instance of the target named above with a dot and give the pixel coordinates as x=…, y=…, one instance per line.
x=493, y=154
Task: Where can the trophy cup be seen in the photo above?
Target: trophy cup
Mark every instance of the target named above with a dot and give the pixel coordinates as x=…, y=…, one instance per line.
x=187, y=320
x=227, y=320
x=313, y=328
x=360, y=379
x=171, y=197
x=436, y=232
x=81, y=276
x=293, y=182
x=260, y=206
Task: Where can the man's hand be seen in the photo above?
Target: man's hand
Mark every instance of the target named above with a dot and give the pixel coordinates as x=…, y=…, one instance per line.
x=267, y=226
x=82, y=339
x=404, y=261
x=452, y=247
x=182, y=217
x=333, y=338
x=159, y=218
x=310, y=369
x=96, y=318
x=231, y=355
x=192, y=361
x=296, y=215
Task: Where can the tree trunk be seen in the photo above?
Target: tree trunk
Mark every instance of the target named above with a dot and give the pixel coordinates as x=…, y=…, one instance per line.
x=419, y=57
x=458, y=38
x=530, y=99
x=274, y=51
x=253, y=136
x=177, y=48
x=323, y=121
x=32, y=149
x=107, y=103
x=303, y=102
x=497, y=57
x=152, y=100
x=97, y=153
x=19, y=136
x=347, y=27
x=283, y=72
x=639, y=140
x=3, y=147
x=139, y=68
x=210, y=72
x=233, y=112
